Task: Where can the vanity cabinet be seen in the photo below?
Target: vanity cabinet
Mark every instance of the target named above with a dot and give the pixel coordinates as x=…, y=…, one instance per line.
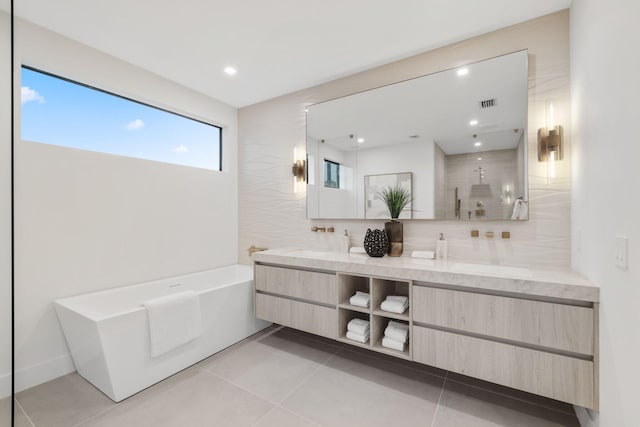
x=300, y=315
x=559, y=326
x=543, y=347
x=543, y=342
x=312, y=286
x=300, y=299
x=569, y=379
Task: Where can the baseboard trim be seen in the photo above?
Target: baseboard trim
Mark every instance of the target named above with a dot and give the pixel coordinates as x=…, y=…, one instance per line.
x=41, y=373
x=5, y=385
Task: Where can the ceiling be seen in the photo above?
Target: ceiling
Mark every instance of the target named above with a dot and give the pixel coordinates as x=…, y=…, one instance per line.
x=277, y=46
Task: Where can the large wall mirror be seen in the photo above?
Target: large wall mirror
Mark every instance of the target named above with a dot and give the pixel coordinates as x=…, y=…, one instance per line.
x=455, y=139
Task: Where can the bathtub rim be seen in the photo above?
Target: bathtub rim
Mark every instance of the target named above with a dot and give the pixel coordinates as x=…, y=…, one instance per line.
x=65, y=302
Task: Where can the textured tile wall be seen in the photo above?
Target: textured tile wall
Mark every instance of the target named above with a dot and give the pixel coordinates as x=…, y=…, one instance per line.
x=272, y=214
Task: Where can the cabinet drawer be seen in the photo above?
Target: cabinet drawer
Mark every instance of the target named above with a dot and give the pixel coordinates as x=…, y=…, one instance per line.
x=309, y=285
x=559, y=377
x=298, y=315
x=557, y=326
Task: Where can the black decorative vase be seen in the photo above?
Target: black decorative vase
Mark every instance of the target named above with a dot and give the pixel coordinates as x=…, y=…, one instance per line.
x=394, y=232
x=376, y=243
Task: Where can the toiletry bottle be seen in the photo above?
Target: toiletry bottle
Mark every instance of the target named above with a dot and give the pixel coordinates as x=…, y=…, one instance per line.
x=441, y=248
x=346, y=242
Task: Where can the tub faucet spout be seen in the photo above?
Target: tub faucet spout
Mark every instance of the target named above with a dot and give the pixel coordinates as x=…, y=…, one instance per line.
x=254, y=249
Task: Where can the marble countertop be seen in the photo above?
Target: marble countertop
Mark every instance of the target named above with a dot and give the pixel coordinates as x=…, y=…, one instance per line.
x=564, y=284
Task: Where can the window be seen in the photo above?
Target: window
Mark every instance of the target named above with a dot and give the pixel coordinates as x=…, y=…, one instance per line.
x=331, y=174
x=61, y=112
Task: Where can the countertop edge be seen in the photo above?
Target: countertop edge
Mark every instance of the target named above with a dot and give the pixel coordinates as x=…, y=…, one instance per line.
x=575, y=288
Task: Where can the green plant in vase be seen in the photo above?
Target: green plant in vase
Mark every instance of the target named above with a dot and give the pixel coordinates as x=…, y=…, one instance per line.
x=396, y=198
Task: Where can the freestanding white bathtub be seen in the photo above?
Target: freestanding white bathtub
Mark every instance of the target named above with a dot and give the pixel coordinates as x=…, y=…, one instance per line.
x=108, y=331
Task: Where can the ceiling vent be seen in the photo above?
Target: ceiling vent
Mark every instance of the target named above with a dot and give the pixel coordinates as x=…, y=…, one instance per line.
x=488, y=103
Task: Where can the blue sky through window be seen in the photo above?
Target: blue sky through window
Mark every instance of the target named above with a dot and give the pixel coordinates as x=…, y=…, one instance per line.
x=59, y=112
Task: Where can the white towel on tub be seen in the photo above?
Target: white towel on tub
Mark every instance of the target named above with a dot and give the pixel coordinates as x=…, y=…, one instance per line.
x=174, y=320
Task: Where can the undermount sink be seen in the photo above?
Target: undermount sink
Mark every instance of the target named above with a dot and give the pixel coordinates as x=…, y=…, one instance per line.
x=308, y=253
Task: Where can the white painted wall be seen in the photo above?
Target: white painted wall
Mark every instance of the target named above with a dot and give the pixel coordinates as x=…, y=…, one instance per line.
x=415, y=157
x=5, y=206
x=89, y=221
x=604, y=92
x=336, y=202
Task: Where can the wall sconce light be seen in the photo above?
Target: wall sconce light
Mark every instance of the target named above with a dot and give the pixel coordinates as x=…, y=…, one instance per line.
x=299, y=170
x=550, y=144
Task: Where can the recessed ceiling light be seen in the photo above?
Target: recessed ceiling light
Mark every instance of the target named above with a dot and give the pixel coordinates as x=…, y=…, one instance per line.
x=463, y=71
x=414, y=136
x=360, y=140
x=477, y=143
x=473, y=122
x=230, y=70
x=479, y=158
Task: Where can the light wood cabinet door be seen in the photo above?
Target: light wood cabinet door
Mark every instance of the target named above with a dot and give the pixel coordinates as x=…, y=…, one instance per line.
x=556, y=376
x=556, y=326
x=308, y=285
x=306, y=317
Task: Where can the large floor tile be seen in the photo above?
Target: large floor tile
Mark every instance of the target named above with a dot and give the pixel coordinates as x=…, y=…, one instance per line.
x=313, y=337
x=64, y=402
x=355, y=390
x=5, y=412
x=268, y=330
x=273, y=366
x=397, y=361
x=390, y=375
x=465, y=406
x=193, y=397
x=20, y=419
x=278, y=417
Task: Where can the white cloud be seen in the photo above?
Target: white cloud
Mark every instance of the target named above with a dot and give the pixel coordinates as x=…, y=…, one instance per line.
x=27, y=94
x=181, y=149
x=135, y=125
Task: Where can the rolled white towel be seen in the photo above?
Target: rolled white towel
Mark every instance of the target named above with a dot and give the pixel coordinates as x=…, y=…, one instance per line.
x=361, y=299
x=517, y=205
x=357, y=250
x=357, y=337
x=524, y=210
x=359, y=326
x=394, y=306
x=423, y=254
x=397, y=298
x=392, y=344
x=398, y=325
x=396, y=333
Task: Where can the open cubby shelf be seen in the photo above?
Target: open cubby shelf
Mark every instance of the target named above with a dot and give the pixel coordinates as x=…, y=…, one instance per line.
x=378, y=290
x=348, y=285
x=382, y=288
x=404, y=354
x=394, y=316
x=355, y=308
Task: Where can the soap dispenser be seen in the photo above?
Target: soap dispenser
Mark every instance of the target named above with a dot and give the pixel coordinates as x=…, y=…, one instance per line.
x=441, y=248
x=346, y=242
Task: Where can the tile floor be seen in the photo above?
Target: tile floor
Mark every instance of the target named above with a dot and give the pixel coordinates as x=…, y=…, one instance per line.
x=281, y=378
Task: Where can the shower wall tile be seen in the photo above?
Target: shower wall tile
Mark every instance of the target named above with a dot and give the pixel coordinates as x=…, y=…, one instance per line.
x=272, y=214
